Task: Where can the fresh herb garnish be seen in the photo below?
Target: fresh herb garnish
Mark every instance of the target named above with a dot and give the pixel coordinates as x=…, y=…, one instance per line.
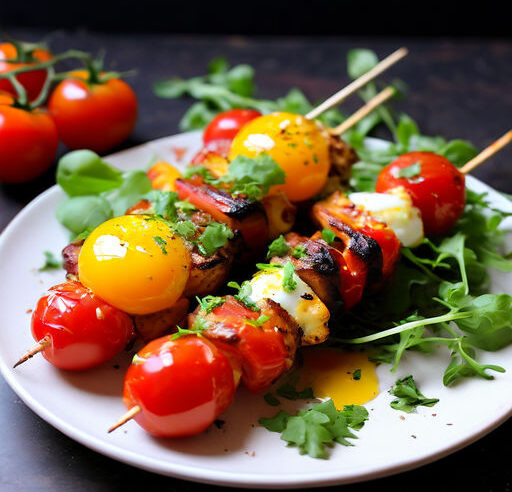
x=209, y=303
x=356, y=375
x=409, y=396
x=410, y=171
x=214, y=237
x=328, y=236
x=186, y=229
x=259, y=321
x=200, y=325
x=51, y=262
x=278, y=247
x=271, y=400
x=244, y=294
x=299, y=251
x=289, y=282
x=161, y=242
x=320, y=426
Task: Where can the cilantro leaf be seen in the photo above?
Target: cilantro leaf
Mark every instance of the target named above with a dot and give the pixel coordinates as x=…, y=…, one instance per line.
x=185, y=229
x=209, y=303
x=409, y=396
x=259, y=321
x=51, y=262
x=161, y=242
x=244, y=294
x=328, y=236
x=289, y=282
x=200, y=325
x=214, y=237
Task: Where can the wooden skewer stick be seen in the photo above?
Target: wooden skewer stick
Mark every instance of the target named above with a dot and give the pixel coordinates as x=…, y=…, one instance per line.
x=41, y=345
x=125, y=418
x=365, y=110
x=342, y=94
x=487, y=152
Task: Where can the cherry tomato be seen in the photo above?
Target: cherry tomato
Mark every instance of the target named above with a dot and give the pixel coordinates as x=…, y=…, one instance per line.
x=227, y=124
x=28, y=143
x=438, y=190
x=181, y=386
x=93, y=116
x=300, y=147
x=82, y=330
x=32, y=81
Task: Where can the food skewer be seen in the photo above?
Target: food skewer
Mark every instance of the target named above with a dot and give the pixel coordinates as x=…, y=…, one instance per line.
x=357, y=84
x=125, y=418
x=487, y=152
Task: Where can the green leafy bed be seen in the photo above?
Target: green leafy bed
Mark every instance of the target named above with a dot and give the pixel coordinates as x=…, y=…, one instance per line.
x=440, y=292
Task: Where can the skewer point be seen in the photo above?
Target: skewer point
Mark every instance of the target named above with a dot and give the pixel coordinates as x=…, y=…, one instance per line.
x=125, y=418
x=39, y=347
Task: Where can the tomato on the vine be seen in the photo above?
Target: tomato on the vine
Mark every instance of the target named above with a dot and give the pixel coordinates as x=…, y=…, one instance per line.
x=32, y=81
x=78, y=329
x=434, y=184
x=226, y=125
x=96, y=115
x=28, y=143
x=181, y=386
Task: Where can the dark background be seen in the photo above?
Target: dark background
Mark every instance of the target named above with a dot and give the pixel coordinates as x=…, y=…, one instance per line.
x=459, y=77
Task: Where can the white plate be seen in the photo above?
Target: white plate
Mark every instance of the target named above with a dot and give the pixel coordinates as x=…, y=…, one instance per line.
x=84, y=405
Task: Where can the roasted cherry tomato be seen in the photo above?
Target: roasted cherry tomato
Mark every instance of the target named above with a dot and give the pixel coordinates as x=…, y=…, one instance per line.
x=96, y=116
x=28, y=143
x=79, y=330
x=226, y=125
x=135, y=262
x=32, y=81
x=163, y=176
x=181, y=386
x=435, y=186
x=298, y=145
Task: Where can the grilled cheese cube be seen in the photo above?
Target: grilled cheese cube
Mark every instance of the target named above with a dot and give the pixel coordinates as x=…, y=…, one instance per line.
x=394, y=208
x=303, y=305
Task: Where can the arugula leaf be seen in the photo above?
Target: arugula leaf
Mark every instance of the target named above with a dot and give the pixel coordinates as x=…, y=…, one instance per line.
x=214, y=237
x=51, y=262
x=409, y=396
x=83, y=172
x=320, y=426
x=278, y=247
x=360, y=61
x=134, y=186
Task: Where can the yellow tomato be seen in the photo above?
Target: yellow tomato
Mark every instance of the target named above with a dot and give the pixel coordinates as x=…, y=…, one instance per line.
x=136, y=263
x=163, y=176
x=300, y=147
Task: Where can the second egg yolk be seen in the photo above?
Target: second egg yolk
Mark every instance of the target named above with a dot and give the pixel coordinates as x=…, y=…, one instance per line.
x=300, y=147
x=136, y=263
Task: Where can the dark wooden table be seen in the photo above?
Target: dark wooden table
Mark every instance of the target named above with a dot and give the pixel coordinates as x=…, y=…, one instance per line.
x=458, y=89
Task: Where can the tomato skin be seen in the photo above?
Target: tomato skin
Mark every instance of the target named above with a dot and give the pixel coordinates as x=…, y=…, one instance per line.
x=84, y=330
x=28, y=144
x=93, y=116
x=439, y=191
x=226, y=125
x=32, y=81
x=181, y=385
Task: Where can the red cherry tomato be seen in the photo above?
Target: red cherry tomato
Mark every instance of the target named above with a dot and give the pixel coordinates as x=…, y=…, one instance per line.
x=28, y=143
x=32, y=81
x=83, y=330
x=93, y=116
x=226, y=125
x=181, y=386
x=438, y=190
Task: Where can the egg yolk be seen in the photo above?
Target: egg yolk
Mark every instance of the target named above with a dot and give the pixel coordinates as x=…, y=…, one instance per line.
x=348, y=378
x=163, y=176
x=300, y=147
x=136, y=263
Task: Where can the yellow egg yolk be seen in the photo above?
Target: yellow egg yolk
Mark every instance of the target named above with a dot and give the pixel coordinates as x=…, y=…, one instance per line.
x=163, y=176
x=136, y=263
x=300, y=147
x=348, y=378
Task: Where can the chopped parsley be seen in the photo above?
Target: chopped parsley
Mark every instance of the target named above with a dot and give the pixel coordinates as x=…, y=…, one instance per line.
x=313, y=430
x=289, y=282
x=51, y=262
x=200, y=325
x=214, y=237
x=278, y=247
x=328, y=236
x=410, y=171
x=244, y=294
x=299, y=251
x=409, y=396
x=161, y=242
x=356, y=375
x=258, y=322
x=209, y=303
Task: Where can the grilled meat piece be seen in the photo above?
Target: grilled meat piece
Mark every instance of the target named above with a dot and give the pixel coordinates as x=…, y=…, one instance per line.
x=70, y=257
x=154, y=325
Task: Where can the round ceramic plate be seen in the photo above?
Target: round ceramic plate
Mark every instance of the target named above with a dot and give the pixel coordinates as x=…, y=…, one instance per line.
x=241, y=453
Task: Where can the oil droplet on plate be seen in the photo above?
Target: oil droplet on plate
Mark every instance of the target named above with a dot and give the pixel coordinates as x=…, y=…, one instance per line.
x=330, y=373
